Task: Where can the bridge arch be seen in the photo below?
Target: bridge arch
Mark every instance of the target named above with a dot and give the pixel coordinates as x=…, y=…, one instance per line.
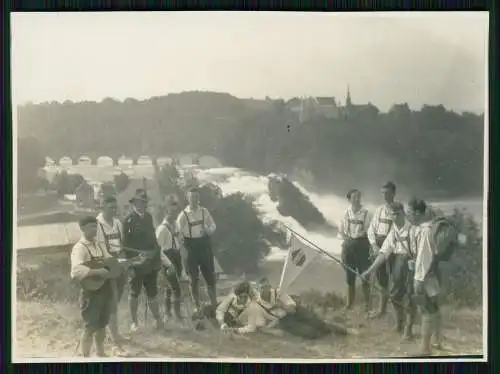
x=105, y=161
x=84, y=160
x=65, y=161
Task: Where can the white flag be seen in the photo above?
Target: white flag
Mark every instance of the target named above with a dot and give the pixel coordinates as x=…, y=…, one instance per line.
x=299, y=257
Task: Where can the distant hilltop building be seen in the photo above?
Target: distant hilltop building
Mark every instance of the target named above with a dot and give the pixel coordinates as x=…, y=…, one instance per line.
x=327, y=107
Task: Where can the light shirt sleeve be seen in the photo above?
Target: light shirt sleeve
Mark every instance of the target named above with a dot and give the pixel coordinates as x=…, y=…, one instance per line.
x=120, y=227
x=79, y=256
x=164, y=239
x=223, y=308
x=210, y=226
x=371, y=233
x=286, y=301
x=343, y=227
x=389, y=244
x=182, y=225
x=425, y=256
x=368, y=220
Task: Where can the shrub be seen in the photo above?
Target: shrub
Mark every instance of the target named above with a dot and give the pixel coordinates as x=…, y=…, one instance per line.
x=66, y=184
x=239, y=241
x=465, y=270
x=49, y=280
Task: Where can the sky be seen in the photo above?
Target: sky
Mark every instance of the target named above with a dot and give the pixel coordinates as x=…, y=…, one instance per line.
x=418, y=58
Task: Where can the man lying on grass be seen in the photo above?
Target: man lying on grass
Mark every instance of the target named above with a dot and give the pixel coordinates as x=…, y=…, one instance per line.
x=247, y=310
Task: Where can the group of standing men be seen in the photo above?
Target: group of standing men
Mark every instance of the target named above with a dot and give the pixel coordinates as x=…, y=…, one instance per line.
x=179, y=247
x=396, y=246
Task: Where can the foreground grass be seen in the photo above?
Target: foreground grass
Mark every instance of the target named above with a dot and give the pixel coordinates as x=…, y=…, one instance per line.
x=48, y=330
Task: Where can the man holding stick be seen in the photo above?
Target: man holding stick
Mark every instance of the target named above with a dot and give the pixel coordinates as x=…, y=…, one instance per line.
x=377, y=232
x=400, y=246
x=171, y=259
x=196, y=225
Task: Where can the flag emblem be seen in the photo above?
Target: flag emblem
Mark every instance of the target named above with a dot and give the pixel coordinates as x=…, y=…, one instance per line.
x=298, y=257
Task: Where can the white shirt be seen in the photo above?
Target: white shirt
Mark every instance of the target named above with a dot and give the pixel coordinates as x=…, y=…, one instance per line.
x=239, y=311
x=424, y=259
x=399, y=241
x=201, y=222
x=166, y=240
x=381, y=223
x=424, y=251
x=112, y=232
x=354, y=224
x=84, y=251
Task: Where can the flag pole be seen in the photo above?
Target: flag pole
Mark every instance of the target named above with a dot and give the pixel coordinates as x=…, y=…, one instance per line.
x=322, y=251
x=284, y=269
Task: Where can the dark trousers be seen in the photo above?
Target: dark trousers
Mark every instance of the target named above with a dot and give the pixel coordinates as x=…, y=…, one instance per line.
x=173, y=287
x=305, y=324
x=402, y=281
x=149, y=282
x=96, y=307
x=356, y=255
x=384, y=272
x=428, y=305
x=200, y=258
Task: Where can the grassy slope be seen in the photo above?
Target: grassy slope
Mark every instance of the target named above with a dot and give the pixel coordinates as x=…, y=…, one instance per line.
x=48, y=330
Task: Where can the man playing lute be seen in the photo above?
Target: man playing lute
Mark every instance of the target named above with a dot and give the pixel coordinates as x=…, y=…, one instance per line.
x=93, y=267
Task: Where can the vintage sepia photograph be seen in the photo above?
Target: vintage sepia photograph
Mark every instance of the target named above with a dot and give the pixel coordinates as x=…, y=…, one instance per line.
x=249, y=186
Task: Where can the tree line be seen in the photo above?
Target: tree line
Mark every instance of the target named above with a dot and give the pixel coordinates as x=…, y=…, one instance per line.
x=434, y=152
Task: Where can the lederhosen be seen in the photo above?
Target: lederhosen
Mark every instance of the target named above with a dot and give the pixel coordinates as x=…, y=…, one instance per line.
x=96, y=306
x=140, y=235
x=121, y=281
x=199, y=253
x=383, y=272
x=174, y=256
x=355, y=251
x=402, y=275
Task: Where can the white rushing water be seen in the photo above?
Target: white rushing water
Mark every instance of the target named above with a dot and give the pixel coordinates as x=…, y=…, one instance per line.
x=234, y=180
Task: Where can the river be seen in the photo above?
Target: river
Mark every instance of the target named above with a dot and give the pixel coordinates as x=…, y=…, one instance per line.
x=237, y=180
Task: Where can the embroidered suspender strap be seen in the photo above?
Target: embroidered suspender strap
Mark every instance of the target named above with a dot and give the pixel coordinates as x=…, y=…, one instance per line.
x=106, y=240
x=195, y=223
x=92, y=257
x=189, y=224
x=119, y=232
x=412, y=244
x=377, y=217
x=173, y=244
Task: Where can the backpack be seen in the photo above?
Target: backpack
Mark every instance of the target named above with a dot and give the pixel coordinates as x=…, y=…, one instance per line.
x=444, y=238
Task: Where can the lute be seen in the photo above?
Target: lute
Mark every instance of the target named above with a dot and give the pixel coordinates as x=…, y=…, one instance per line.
x=113, y=265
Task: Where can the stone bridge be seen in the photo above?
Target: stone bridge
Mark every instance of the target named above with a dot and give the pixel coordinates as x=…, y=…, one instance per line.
x=88, y=159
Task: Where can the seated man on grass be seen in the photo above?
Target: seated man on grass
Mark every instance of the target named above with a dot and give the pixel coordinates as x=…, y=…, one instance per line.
x=279, y=310
x=232, y=314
